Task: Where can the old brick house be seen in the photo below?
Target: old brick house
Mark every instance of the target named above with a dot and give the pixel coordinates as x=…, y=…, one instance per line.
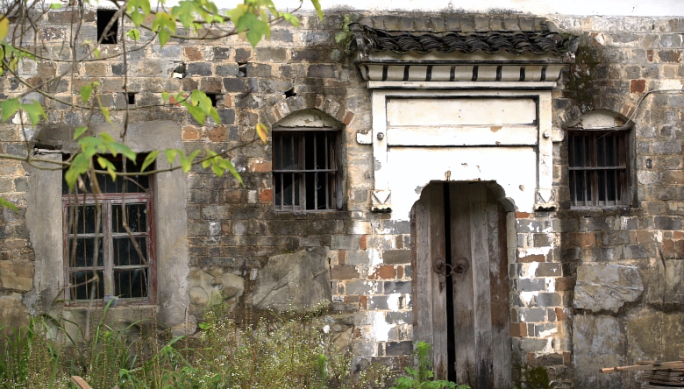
x=507, y=187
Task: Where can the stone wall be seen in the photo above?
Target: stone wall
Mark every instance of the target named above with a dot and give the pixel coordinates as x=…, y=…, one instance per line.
x=588, y=288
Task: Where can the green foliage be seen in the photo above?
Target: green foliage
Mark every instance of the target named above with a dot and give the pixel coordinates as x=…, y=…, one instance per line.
x=534, y=378
x=284, y=353
x=422, y=377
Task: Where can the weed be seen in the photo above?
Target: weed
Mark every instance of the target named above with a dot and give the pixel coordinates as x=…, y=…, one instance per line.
x=421, y=378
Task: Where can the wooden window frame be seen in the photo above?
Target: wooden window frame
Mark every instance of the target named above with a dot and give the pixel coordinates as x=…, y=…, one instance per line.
x=106, y=201
x=333, y=168
x=597, y=173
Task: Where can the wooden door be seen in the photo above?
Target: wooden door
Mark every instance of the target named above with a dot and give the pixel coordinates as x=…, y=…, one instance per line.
x=461, y=289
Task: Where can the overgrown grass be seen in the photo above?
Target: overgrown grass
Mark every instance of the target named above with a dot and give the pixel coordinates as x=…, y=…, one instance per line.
x=290, y=352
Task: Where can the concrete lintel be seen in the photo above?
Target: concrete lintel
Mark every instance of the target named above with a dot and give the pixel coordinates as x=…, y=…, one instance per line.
x=461, y=85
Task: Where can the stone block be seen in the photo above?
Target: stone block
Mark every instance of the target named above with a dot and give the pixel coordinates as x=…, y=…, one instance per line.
x=531, y=285
x=344, y=272
x=548, y=299
x=398, y=348
x=532, y=315
x=597, y=341
x=16, y=275
x=321, y=71
x=271, y=54
x=548, y=270
x=606, y=286
x=399, y=317
x=13, y=312
x=403, y=287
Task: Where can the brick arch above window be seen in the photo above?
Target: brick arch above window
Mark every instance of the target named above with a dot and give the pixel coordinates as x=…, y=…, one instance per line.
x=334, y=106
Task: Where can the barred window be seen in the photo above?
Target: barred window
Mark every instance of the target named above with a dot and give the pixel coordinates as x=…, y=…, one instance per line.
x=121, y=269
x=598, y=164
x=306, y=173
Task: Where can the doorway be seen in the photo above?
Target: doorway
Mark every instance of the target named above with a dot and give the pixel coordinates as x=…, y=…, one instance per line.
x=461, y=284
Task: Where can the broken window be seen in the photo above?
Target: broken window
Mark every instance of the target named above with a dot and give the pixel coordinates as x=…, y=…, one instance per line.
x=598, y=166
x=306, y=173
x=116, y=257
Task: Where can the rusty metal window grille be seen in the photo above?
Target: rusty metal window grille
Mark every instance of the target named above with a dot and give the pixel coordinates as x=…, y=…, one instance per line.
x=120, y=269
x=598, y=166
x=306, y=175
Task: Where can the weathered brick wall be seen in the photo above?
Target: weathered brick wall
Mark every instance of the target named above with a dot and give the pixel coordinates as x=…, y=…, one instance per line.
x=233, y=229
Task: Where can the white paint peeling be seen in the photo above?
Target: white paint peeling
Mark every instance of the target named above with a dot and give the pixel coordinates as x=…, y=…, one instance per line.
x=528, y=270
x=379, y=328
x=361, y=228
x=374, y=257
x=547, y=333
x=550, y=284
x=393, y=302
x=527, y=298
x=527, y=251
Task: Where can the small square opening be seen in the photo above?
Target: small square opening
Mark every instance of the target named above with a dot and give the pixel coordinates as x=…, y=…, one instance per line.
x=109, y=37
x=130, y=96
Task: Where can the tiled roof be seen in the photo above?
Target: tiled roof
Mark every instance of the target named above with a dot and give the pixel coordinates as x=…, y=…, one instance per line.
x=462, y=34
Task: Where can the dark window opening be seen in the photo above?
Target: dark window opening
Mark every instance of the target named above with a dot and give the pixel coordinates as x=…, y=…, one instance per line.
x=213, y=97
x=105, y=261
x=306, y=172
x=109, y=37
x=290, y=93
x=242, y=69
x=130, y=96
x=598, y=166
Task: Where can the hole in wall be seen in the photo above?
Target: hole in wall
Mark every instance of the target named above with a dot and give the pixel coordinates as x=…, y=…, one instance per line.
x=213, y=97
x=104, y=16
x=130, y=96
x=242, y=69
x=290, y=93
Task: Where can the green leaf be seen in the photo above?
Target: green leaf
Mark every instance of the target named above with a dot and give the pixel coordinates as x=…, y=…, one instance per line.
x=231, y=168
x=134, y=34
x=105, y=112
x=186, y=165
x=137, y=18
x=203, y=326
x=9, y=107
x=35, y=112
x=151, y=157
x=170, y=155
x=80, y=131
x=237, y=12
x=165, y=96
x=262, y=131
x=164, y=36
x=107, y=164
x=217, y=170
x=123, y=149
x=86, y=90
x=4, y=27
x=197, y=113
x=96, y=53
x=214, y=115
x=78, y=166
x=317, y=6
x=107, y=138
x=257, y=30
x=7, y=204
x=55, y=6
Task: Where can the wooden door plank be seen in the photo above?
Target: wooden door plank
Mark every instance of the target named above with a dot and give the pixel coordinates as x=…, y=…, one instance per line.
x=420, y=261
x=479, y=237
x=500, y=294
x=464, y=331
x=435, y=199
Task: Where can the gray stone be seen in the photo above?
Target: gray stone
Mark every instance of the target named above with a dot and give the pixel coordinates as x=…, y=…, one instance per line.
x=606, y=286
x=597, y=342
x=299, y=281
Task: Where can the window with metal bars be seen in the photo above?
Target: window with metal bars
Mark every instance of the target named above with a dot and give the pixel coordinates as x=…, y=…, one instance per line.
x=114, y=261
x=599, y=168
x=306, y=175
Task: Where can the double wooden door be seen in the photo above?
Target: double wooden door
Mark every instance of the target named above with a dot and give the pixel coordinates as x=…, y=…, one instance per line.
x=461, y=286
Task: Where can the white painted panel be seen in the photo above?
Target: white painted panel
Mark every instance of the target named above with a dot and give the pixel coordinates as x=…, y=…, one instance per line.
x=462, y=136
x=460, y=111
x=411, y=169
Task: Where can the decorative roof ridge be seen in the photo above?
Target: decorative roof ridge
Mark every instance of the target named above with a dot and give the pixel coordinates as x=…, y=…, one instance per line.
x=366, y=39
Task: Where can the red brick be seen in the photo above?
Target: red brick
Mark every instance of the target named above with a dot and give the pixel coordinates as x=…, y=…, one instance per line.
x=532, y=258
x=400, y=272
x=261, y=167
x=190, y=133
x=561, y=315
x=566, y=357
x=193, y=54
x=266, y=195
x=519, y=330
x=582, y=239
x=348, y=118
x=363, y=302
x=522, y=215
x=217, y=134
x=363, y=242
x=384, y=272
x=637, y=86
